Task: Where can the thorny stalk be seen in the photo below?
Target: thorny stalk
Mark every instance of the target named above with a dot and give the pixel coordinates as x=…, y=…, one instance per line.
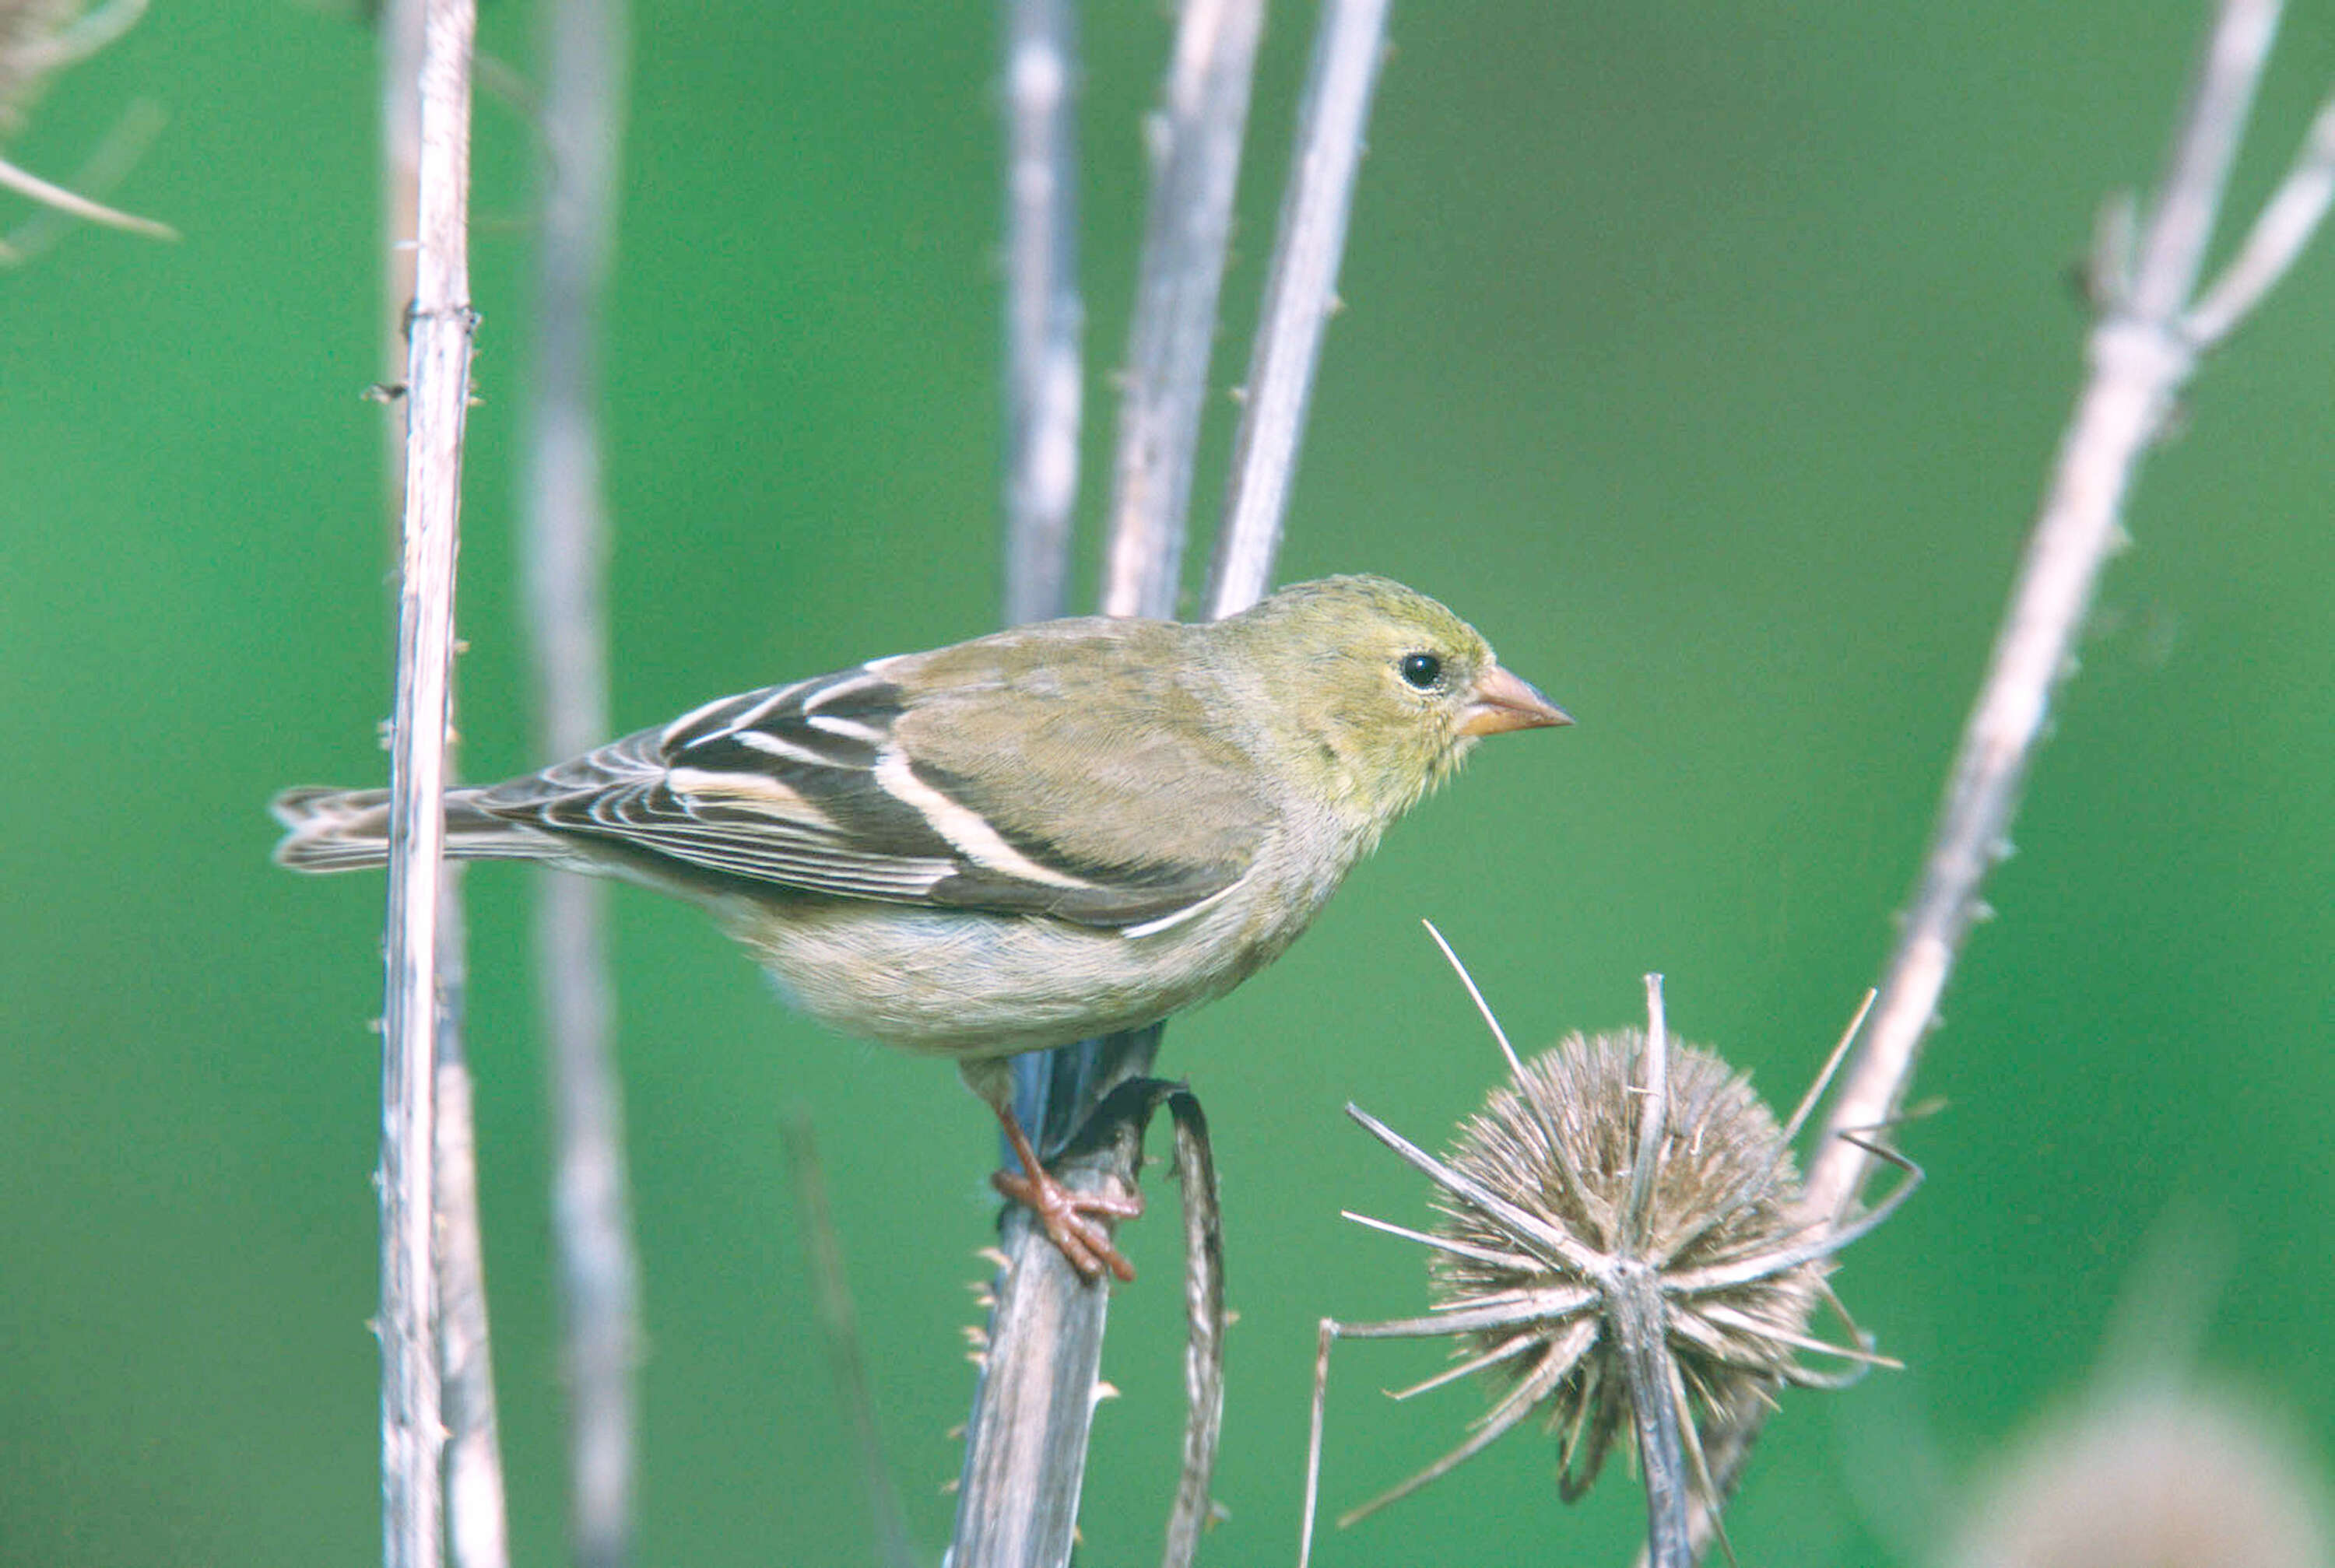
x=477, y=1534
x=2153, y=325
x=1026, y=1442
x=1025, y=1439
x=438, y=380
x=2141, y=353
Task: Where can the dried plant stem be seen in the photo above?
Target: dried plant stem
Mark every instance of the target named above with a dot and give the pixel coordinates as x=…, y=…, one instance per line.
x=1204, y=1343
x=476, y=1531
x=1196, y=165
x=565, y=567
x=1026, y=1440
x=35, y=52
x=2141, y=353
x=2285, y=225
x=115, y=155
x=438, y=380
x=1026, y=1453
x=1639, y=1328
x=1044, y=323
x=25, y=183
x=1299, y=292
x=1026, y=1437
x=1639, y=1324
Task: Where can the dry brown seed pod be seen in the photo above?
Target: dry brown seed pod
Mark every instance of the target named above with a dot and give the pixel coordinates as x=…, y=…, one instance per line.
x=1560, y=1141
x=1623, y=1252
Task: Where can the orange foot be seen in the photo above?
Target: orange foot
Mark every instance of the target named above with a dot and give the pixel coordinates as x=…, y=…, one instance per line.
x=1084, y=1244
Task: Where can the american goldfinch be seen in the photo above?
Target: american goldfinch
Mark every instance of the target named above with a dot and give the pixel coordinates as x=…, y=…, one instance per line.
x=1051, y=833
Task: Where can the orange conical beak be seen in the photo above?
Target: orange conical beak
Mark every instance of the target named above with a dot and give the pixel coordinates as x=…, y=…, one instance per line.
x=1505, y=702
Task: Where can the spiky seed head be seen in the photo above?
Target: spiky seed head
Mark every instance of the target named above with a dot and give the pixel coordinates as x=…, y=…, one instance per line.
x=1558, y=1142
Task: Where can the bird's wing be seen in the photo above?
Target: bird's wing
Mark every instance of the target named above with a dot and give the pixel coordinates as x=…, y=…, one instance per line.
x=1017, y=788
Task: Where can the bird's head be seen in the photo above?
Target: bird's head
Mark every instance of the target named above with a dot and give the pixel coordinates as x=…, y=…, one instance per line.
x=1382, y=689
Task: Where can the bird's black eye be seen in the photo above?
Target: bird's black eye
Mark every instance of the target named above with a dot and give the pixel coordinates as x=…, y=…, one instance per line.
x=1422, y=670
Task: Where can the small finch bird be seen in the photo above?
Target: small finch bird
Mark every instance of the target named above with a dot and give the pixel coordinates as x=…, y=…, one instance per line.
x=1054, y=832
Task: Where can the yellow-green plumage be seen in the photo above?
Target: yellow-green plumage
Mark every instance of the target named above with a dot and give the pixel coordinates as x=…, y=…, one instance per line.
x=1021, y=840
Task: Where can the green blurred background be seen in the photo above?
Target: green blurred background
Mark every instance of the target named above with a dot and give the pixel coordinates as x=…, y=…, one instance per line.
x=1708, y=358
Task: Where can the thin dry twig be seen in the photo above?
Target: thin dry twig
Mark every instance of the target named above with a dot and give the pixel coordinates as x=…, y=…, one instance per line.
x=1204, y=1343
x=399, y=33
x=1196, y=164
x=2284, y=227
x=2141, y=353
x=25, y=183
x=35, y=42
x=438, y=379
x=477, y=1534
x=117, y=153
x=565, y=573
x=1300, y=293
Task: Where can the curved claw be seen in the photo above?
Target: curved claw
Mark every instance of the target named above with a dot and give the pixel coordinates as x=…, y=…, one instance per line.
x=1084, y=1244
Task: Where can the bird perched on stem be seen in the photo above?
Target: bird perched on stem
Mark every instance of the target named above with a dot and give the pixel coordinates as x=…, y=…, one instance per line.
x=1051, y=833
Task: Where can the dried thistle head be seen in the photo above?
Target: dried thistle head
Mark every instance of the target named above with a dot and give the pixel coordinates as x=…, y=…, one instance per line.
x=1623, y=1250
x=1560, y=1141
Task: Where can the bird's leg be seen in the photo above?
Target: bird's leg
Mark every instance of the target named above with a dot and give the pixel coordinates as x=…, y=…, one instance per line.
x=1082, y=1242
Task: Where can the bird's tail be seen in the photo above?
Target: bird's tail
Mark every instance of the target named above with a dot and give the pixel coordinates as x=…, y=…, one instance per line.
x=348, y=830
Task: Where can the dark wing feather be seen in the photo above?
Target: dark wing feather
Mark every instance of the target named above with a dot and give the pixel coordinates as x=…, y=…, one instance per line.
x=838, y=785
